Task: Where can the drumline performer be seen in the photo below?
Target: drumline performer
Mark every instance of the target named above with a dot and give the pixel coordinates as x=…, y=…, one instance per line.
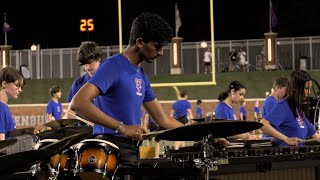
x=89, y=57
x=224, y=110
x=120, y=87
x=287, y=121
x=12, y=82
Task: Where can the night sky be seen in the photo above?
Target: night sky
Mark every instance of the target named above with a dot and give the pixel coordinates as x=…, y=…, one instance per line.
x=56, y=24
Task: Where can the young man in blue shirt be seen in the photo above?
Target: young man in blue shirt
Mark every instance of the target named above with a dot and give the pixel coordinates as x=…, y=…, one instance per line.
x=123, y=87
x=54, y=107
x=278, y=92
x=89, y=57
x=12, y=82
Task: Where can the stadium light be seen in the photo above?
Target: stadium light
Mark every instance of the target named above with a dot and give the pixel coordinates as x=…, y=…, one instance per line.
x=203, y=44
x=33, y=47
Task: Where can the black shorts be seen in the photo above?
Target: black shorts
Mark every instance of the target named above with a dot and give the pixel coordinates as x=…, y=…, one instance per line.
x=207, y=63
x=183, y=119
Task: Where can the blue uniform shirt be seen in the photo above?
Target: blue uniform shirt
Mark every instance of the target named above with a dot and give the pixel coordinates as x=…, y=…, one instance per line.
x=7, y=122
x=283, y=120
x=223, y=111
x=268, y=105
x=180, y=108
x=55, y=109
x=76, y=85
x=123, y=88
x=243, y=111
x=199, y=112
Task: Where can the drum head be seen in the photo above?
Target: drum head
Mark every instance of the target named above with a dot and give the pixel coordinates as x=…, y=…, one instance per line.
x=45, y=142
x=97, y=142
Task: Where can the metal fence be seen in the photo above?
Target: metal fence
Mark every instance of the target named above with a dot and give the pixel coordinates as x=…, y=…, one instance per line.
x=291, y=54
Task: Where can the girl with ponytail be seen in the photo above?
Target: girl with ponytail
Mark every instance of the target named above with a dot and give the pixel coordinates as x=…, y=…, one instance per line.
x=224, y=110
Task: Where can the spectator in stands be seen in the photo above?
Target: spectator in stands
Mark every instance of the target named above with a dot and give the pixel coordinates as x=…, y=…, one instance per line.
x=89, y=57
x=233, y=59
x=243, y=111
x=224, y=110
x=12, y=82
x=287, y=121
x=207, y=61
x=54, y=107
x=182, y=111
x=243, y=59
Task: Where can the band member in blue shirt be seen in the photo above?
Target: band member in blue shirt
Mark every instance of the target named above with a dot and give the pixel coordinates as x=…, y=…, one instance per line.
x=224, y=110
x=12, y=82
x=199, y=109
x=54, y=107
x=243, y=111
x=89, y=57
x=278, y=92
x=287, y=121
x=124, y=87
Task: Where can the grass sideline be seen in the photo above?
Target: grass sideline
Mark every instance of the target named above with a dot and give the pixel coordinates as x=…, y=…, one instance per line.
x=257, y=83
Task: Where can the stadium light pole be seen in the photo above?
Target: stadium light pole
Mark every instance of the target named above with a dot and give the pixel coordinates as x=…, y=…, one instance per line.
x=120, y=25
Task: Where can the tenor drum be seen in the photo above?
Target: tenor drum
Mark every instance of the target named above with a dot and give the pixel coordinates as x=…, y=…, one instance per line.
x=44, y=170
x=96, y=157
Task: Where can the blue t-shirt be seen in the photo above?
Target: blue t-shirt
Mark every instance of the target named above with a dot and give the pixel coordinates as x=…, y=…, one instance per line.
x=256, y=110
x=283, y=120
x=199, y=112
x=55, y=109
x=223, y=111
x=76, y=85
x=268, y=105
x=180, y=108
x=243, y=111
x=123, y=88
x=7, y=122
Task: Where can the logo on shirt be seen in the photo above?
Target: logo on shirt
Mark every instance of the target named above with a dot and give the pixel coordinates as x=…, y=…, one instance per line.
x=300, y=122
x=138, y=86
x=58, y=109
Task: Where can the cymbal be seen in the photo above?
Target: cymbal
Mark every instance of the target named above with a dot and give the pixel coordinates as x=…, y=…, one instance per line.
x=63, y=132
x=4, y=144
x=63, y=144
x=62, y=123
x=14, y=162
x=217, y=129
x=20, y=132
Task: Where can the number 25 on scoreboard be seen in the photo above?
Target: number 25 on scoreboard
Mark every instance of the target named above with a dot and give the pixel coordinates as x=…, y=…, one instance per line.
x=86, y=25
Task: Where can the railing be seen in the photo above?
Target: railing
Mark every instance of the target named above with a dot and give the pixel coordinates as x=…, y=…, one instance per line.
x=291, y=53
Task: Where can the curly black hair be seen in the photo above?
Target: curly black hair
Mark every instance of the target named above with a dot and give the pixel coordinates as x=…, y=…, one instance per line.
x=150, y=27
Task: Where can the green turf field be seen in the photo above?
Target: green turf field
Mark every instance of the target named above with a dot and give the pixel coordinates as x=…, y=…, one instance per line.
x=257, y=83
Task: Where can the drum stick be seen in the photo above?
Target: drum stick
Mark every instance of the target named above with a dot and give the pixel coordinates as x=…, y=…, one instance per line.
x=81, y=119
x=309, y=140
x=152, y=134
